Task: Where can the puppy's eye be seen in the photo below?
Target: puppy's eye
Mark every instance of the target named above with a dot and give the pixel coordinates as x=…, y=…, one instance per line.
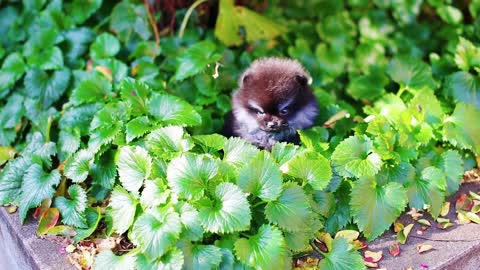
x=283, y=112
x=260, y=113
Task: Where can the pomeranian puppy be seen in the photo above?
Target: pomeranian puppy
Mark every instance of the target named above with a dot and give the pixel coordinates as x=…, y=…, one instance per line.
x=274, y=100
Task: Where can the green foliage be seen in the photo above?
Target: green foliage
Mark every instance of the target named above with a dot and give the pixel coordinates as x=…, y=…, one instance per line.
x=120, y=132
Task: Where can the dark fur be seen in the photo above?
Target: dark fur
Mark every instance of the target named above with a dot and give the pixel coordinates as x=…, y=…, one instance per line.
x=273, y=101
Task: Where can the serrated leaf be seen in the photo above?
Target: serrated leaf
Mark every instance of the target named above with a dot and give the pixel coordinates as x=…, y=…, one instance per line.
x=46, y=88
x=375, y=207
x=112, y=69
x=106, y=125
x=210, y=143
x=425, y=105
x=76, y=43
x=79, y=117
x=190, y=175
x=462, y=86
x=411, y=73
x=104, y=46
x=450, y=14
x=68, y=143
x=172, y=260
x=341, y=256
x=206, y=257
x=134, y=166
x=283, y=152
x=135, y=94
x=354, y=157
x=93, y=217
x=367, y=87
x=46, y=59
x=78, y=167
x=81, y=10
x=12, y=70
x=264, y=250
x=458, y=129
x=73, y=209
x=37, y=185
x=452, y=165
x=195, y=59
x=427, y=189
x=121, y=209
x=231, y=18
x=12, y=112
x=137, y=127
x=311, y=167
x=11, y=179
x=107, y=260
x=130, y=21
x=103, y=171
x=467, y=56
x=94, y=89
x=154, y=193
x=156, y=231
x=173, y=110
x=189, y=216
x=238, y=152
x=261, y=177
x=227, y=212
x=168, y=142
x=291, y=210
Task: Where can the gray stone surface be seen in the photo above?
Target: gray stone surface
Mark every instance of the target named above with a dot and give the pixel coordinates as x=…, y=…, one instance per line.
x=20, y=248
x=457, y=248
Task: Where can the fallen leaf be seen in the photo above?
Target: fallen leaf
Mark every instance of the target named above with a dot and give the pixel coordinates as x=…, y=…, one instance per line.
x=398, y=226
x=424, y=222
x=63, y=230
x=48, y=220
x=371, y=264
x=70, y=248
x=421, y=248
x=403, y=234
x=462, y=218
x=394, y=250
x=474, y=195
x=463, y=203
x=442, y=220
x=445, y=209
x=444, y=225
x=358, y=245
x=42, y=208
x=475, y=208
x=371, y=256
x=12, y=209
x=414, y=213
x=472, y=217
x=350, y=235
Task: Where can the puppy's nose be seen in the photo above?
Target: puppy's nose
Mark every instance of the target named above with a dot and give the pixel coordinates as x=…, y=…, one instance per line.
x=271, y=124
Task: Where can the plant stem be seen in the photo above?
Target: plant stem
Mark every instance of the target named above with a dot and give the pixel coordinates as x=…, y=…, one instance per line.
x=400, y=91
x=258, y=203
x=154, y=26
x=187, y=16
x=49, y=126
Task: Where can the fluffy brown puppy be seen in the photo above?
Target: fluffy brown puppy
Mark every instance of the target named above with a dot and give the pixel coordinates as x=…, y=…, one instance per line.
x=273, y=101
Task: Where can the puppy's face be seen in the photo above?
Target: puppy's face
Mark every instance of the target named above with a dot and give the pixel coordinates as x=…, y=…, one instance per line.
x=270, y=102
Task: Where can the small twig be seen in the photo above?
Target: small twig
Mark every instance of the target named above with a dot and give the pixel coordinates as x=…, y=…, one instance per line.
x=445, y=240
x=154, y=26
x=187, y=16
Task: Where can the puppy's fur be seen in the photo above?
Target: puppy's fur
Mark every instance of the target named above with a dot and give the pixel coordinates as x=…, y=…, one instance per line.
x=273, y=101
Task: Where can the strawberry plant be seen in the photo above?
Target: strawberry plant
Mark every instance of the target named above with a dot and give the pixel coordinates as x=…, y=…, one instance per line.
x=109, y=126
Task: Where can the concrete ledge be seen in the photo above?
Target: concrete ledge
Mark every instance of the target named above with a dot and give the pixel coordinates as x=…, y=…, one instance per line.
x=21, y=248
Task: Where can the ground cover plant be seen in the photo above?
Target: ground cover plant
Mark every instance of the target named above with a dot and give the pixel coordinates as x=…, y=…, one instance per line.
x=109, y=114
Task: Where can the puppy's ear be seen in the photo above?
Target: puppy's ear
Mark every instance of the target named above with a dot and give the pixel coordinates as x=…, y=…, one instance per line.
x=301, y=79
x=246, y=78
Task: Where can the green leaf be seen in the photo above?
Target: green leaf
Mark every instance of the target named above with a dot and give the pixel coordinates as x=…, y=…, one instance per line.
x=117, y=69
x=411, y=73
x=367, y=87
x=79, y=117
x=192, y=229
x=156, y=231
x=12, y=70
x=103, y=171
x=135, y=94
x=206, y=257
x=134, y=166
x=238, y=152
x=122, y=209
x=210, y=143
x=354, y=157
x=452, y=165
x=458, y=128
x=190, y=175
x=172, y=260
x=450, y=14
x=291, y=210
x=310, y=166
x=227, y=212
x=45, y=88
x=94, y=89
x=154, y=193
x=375, y=207
x=137, y=127
x=37, y=185
x=107, y=260
x=47, y=220
x=11, y=114
x=6, y=153
x=78, y=167
x=106, y=125
x=104, y=46
x=283, y=152
x=425, y=105
x=427, y=189
x=73, y=209
x=128, y=19
x=467, y=55
x=76, y=44
x=173, y=110
x=49, y=58
x=68, y=143
x=81, y=10
x=93, y=217
x=315, y=139
x=261, y=177
x=11, y=179
x=342, y=256
x=264, y=250
x=195, y=59
x=231, y=18
x=168, y=141
x=463, y=87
